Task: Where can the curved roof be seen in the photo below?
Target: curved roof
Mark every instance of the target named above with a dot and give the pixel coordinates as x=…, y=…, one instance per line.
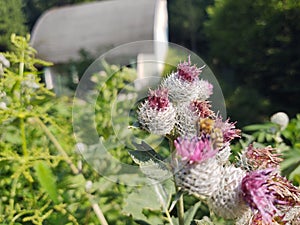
x=61, y=33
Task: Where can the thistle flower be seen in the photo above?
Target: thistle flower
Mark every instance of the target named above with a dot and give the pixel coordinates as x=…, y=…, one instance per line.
x=195, y=149
x=187, y=72
x=227, y=200
x=228, y=129
x=257, y=219
x=201, y=108
x=158, y=99
x=198, y=171
x=187, y=116
x=258, y=195
x=157, y=114
x=199, y=179
x=286, y=194
x=271, y=194
x=184, y=85
x=260, y=158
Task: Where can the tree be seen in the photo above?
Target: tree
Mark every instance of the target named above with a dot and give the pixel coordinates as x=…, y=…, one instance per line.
x=258, y=41
x=12, y=20
x=186, y=19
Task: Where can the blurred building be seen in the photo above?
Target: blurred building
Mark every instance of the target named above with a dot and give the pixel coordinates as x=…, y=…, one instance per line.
x=61, y=33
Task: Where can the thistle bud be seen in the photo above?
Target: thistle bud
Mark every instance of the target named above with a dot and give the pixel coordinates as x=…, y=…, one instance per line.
x=184, y=85
x=157, y=114
x=198, y=171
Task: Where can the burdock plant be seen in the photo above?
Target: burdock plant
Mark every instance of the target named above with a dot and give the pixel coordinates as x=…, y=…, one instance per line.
x=251, y=191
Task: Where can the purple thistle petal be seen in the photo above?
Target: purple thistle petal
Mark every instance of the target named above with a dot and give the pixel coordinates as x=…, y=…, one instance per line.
x=286, y=193
x=195, y=149
x=228, y=129
x=187, y=72
x=258, y=195
x=158, y=99
x=262, y=158
x=201, y=108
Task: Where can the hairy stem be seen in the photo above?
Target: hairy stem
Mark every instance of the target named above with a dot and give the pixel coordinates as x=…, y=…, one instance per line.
x=179, y=204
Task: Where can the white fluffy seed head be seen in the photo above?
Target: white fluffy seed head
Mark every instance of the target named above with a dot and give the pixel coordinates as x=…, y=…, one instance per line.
x=199, y=179
x=227, y=200
x=281, y=119
x=155, y=121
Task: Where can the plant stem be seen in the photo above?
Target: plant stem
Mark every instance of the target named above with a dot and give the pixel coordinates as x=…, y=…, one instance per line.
x=23, y=136
x=179, y=204
x=169, y=217
x=180, y=208
x=12, y=198
x=57, y=145
x=98, y=211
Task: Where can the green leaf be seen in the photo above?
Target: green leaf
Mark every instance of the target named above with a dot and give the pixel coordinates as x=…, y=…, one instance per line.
x=150, y=162
x=257, y=127
x=296, y=172
x=189, y=215
x=289, y=162
x=47, y=180
x=139, y=199
x=261, y=137
x=164, y=192
x=291, y=157
x=205, y=221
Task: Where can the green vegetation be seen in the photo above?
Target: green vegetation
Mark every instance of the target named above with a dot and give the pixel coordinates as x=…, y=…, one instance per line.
x=40, y=179
x=257, y=41
x=12, y=20
x=253, y=47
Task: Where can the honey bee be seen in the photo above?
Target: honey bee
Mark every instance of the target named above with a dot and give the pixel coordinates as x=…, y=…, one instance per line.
x=206, y=126
x=217, y=138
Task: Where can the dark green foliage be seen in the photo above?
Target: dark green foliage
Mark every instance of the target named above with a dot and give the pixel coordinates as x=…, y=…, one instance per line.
x=186, y=24
x=12, y=20
x=291, y=164
x=258, y=43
